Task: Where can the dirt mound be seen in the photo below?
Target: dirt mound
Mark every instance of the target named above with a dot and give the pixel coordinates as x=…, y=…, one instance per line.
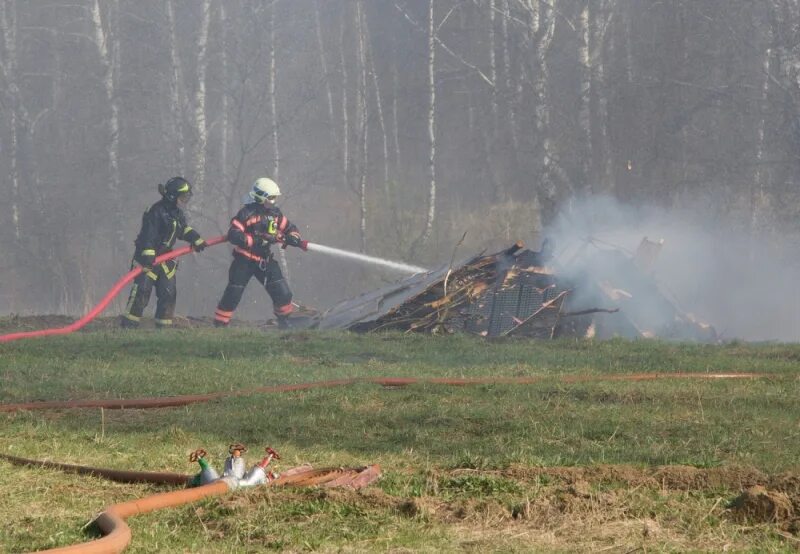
x=759, y=505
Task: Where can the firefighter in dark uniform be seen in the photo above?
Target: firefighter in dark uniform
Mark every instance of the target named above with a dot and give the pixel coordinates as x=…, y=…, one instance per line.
x=162, y=225
x=257, y=226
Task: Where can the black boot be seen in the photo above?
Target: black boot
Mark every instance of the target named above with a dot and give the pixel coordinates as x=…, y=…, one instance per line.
x=127, y=323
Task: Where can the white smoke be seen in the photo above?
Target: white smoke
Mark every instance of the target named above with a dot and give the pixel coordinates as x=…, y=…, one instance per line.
x=745, y=289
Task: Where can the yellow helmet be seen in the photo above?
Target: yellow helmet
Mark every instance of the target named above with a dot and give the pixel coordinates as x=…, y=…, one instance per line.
x=265, y=190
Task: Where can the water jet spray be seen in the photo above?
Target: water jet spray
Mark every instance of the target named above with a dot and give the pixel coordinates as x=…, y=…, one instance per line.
x=339, y=253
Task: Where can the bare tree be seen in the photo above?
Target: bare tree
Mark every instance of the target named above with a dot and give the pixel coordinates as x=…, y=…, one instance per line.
x=378, y=102
x=108, y=47
x=200, y=117
x=345, y=110
x=16, y=110
x=431, y=215
x=363, y=123
x=176, y=92
x=324, y=65
x=224, y=108
x=273, y=101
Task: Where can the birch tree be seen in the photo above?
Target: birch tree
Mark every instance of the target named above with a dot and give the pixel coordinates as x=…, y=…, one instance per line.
x=542, y=22
x=200, y=117
x=378, y=102
x=108, y=48
x=431, y=66
x=224, y=108
x=345, y=141
x=176, y=91
x=324, y=66
x=363, y=124
x=16, y=109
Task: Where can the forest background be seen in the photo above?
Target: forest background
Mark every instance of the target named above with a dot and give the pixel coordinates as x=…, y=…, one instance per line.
x=393, y=127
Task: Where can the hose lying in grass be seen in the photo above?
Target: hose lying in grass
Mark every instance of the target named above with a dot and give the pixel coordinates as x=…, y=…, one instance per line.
x=111, y=522
x=118, y=475
x=172, y=401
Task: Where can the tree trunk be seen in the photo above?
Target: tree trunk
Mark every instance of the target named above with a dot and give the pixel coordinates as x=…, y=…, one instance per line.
x=378, y=104
x=200, y=118
x=108, y=48
x=224, y=116
x=584, y=112
x=345, y=113
x=9, y=28
x=553, y=175
x=273, y=101
x=176, y=92
x=493, y=62
x=431, y=215
x=759, y=203
x=508, y=74
x=363, y=124
x=600, y=172
x=395, y=119
x=326, y=76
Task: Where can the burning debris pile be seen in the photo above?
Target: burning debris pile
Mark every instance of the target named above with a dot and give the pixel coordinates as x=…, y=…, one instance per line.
x=600, y=293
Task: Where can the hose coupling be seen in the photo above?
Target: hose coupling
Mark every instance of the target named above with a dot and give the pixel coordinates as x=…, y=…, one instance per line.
x=234, y=464
x=207, y=473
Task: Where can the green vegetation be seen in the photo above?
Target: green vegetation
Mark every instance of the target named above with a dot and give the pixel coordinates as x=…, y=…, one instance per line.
x=463, y=467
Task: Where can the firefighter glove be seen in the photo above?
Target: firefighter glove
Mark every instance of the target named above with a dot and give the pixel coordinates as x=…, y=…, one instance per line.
x=293, y=239
x=199, y=245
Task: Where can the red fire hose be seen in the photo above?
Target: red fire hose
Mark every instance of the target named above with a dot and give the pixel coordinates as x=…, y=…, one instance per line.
x=115, y=290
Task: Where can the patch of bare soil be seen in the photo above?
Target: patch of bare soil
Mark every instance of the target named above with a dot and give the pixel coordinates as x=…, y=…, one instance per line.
x=609, y=508
x=663, y=477
x=759, y=505
x=622, y=507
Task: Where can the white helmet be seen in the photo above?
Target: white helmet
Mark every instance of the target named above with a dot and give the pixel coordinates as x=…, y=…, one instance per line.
x=265, y=190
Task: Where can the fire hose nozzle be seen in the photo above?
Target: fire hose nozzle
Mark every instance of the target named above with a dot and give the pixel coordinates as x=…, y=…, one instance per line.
x=301, y=244
x=207, y=473
x=234, y=464
x=258, y=474
x=271, y=455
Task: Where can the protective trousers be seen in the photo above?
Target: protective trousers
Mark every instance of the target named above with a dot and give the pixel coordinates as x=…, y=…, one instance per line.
x=268, y=272
x=163, y=278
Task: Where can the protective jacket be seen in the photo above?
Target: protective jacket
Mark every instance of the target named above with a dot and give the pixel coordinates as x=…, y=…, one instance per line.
x=256, y=227
x=162, y=224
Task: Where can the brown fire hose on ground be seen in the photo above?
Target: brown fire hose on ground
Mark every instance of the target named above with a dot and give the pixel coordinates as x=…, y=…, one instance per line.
x=172, y=401
x=120, y=476
x=111, y=522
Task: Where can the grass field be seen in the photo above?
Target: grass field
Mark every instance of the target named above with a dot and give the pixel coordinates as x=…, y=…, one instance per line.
x=551, y=466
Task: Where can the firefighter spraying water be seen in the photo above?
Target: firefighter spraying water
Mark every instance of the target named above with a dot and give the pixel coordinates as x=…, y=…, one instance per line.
x=253, y=230
x=256, y=228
